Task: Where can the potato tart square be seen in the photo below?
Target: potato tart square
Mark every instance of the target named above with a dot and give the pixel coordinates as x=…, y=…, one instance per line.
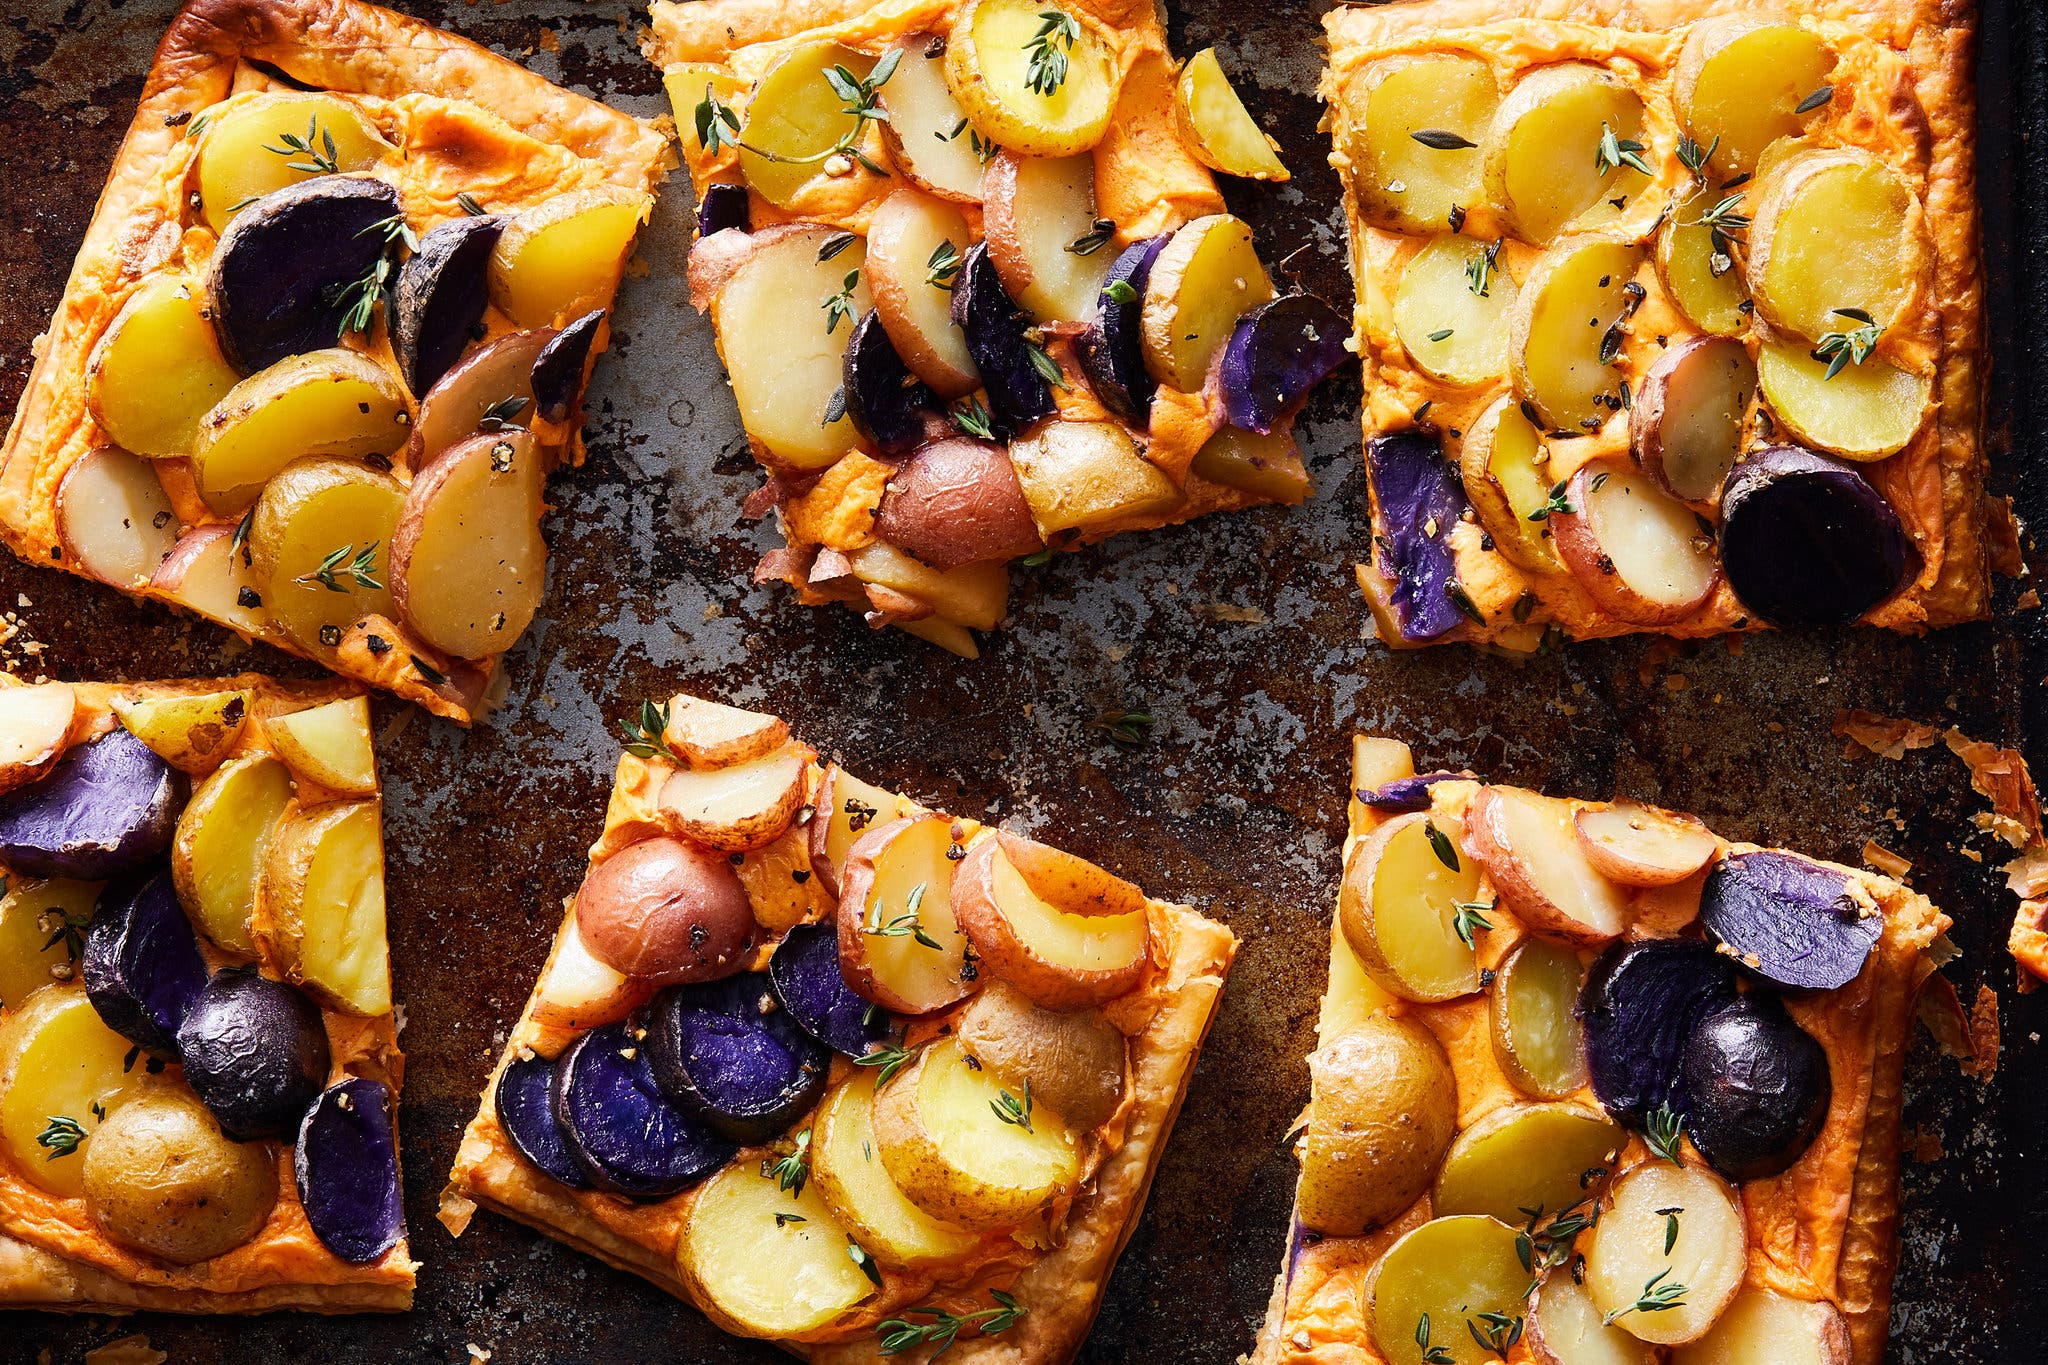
x=845, y=1072
x=1671, y=315
x=199, y=1062
x=327, y=335
x=1593, y=1078
x=975, y=289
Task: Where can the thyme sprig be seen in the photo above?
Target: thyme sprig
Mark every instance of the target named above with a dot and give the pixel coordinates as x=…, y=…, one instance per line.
x=792, y=1171
x=62, y=1136
x=888, y=1060
x=942, y=267
x=1046, y=71
x=1470, y=916
x=1851, y=347
x=906, y=924
x=1126, y=729
x=972, y=418
x=1479, y=270
x=839, y=308
x=1012, y=1110
x=1555, y=504
x=1615, y=152
x=1440, y=844
x=1499, y=1332
x=901, y=1333
x=1094, y=239
x=1431, y=1354
x=1696, y=157
x=984, y=149
x=345, y=562
x=647, y=734
x=317, y=146
x=1663, y=1132
x=1655, y=1298
x=360, y=298
x=1442, y=140
x=61, y=928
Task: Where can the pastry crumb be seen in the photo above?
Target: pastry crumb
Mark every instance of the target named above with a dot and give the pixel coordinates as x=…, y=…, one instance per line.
x=130, y=1350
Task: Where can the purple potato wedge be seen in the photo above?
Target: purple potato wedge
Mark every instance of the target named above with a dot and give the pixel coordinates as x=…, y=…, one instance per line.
x=526, y=1111
x=1640, y=1004
x=1018, y=394
x=438, y=300
x=1789, y=920
x=725, y=1051
x=1419, y=499
x=1756, y=1087
x=805, y=976
x=1806, y=540
x=1112, y=348
x=888, y=404
x=724, y=206
x=255, y=1052
x=559, y=369
x=141, y=963
x=957, y=501
x=1276, y=354
x=629, y=1138
x=281, y=276
x=107, y=809
x=1406, y=794
x=346, y=1167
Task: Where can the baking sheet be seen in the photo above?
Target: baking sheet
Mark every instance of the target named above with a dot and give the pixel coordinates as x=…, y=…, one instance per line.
x=1244, y=636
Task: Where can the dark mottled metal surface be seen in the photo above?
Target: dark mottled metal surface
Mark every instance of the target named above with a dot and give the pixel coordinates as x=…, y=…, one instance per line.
x=1243, y=635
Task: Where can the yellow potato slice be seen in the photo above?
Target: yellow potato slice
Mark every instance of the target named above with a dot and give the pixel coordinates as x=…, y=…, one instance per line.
x=1537, y=1038
x=191, y=733
x=929, y=136
x=334, y=402
x=1038, y=210
x=1834, y=229
x=1523, y=1157
x=1383, y=1107
x=58, y=1063
x=1216, y=126
x=222, y=842
x=1085, y=475
x=1635, y=1252
x=796, y=120
x=947, y=635
x=33, y=951
x=1741, y=81
x=492, y=378
x=847, y=809
x=247, y=148
x=1059, y=959
x=761, y=1275
x=1564, y=1328
x=976, y=595
x=1399, y=908
x=1544, y=162
x=1031, y=76
x=208, y=573
x=329, y=745
x=580, y=993
x=35, y=721
x=1573, y=295
x=317, y=523
x=322, y=905
x=1865, y=412
x=741, y=806
x=899, y=943
x=1403, y=182
x=1450, y=1270
x=563, y=257
x=914, y=249
x=859, y=1189
x=1685, y=258
x=1268, y=467
x=114, y=518
x=1505, y=468
x=467, y=558
x=158, y=369
x=1450, y=329
x=1202, y=282
x=1766, y=1328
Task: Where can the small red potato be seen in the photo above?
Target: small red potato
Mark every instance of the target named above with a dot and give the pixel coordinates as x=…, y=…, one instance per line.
x=1528, y=846
x=958, y=501
x=667, y=911
x=1639, y=845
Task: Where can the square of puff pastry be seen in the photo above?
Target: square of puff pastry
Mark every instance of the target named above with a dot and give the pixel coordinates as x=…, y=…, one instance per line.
x=155, y=493
x=228, y=833
x=1734, y=477
x=870, y=519
x=1059, y=1006
x=1630, y=976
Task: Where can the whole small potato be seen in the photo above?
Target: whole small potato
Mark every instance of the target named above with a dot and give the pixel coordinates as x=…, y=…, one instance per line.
x=1384, y=1108
x=955, y=502
x=666, y=911
x=161, y=1178
x=1074, y=1059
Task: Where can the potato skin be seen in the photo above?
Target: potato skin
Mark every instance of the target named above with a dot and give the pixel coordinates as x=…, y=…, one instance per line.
x=161, y=1179
x=666, y=911
x=1384, y=1111
x=1075, y=1060
x=955, y=502
x=1009, y=956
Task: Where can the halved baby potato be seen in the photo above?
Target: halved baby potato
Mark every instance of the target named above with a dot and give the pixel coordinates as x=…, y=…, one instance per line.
x=467, y=558
x=1865, y=412
x=1639, y=845
x=783, y=352
x=1526, y=843
x=915, y=246
x=322, y=905
x=1686, y=423
x=563, y=257
x=1543, y=149
x=114, y=518
x=1834, y=228
x=1072, y=884
x=208, y=573
x=765, y=1261
x=1074, y=1060
x=1383, y=1109
x=316, y=521
x=846, y=809
x=1057, y=957
x=162, y=1178
x=1031, y=76
x=1505, y=467
x=1450, y=329
x=1036, y=210
x=1524, y=1159
x=158, y=369
x=1711, y=300
x=1216, y=126
x=222, y=844
x=1085, y=476
x=1674, y=1229
x=1741, y=80
x=795, y=118
x=1416, y=125
x=191, y=733
x=1558, y=327
x=329, y=745
x=976, y=595
x=1451, y=1272
x=929, y=136
x=247, y=150
x=495, y=380
x=33, y=953
x=1637, y=551
x=34, y=724
x=1763, y=1327
x=59, y=1062
x=739, y=807
x=334, y=403
x=965, y=1147
x=1400, y=905
x=1537, y=1038
x=1203, y=280
x=859, y=1189
x=899, y=943
x=712, y=735
x=1564, y=1328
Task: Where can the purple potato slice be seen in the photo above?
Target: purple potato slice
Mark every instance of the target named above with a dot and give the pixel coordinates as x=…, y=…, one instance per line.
x=805, y=975
x=1419, y=499
x=1789, y=920
x=107, y=809
x=1407, y=793
x=141, y=963
x=888, y=404
x=282, y=274
x=725, y=1051
x=1807, y=541
x=1018, y=394
x=526, y=1111
x=255, y=1052
x=724, y=206
x=1276, y=354
x=559, y=369
x=438, y=300
x=1112, y=347
x=629, y=1138
x=1756, y=1087
x=1640, y=1004
x=346, y=1165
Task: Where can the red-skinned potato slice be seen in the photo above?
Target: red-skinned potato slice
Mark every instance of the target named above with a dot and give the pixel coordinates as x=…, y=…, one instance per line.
x=1531, y=852
x=717, y=258
x=915, y=245
x=847, y=808
x=713, y=735
x=1686, y=424
x=1641, y=845
x=927, y=132
x=666, y=911
x=497, y=375
x=742, y=806
x=1037, y=208
x=467, y=558
x=114, y=518
x=899, y=944
x=1069, y=884
x=34, y=722
x=957, y=501
x=577, y=991
x=206, y=573
x=1059, y=959
x=1636, y=550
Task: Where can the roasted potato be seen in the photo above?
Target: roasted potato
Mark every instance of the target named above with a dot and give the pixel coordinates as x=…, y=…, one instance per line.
x=114, y=519
x=1545, y=159
x=320, y=546
x=320, y=910
x=1637, y=551
x=329, y=745
x=578, y=992
x=1558, y=362
x=191, y=733
x=1763, y=1327
x=859, y=1189
x=1412, y=129
x=563, y=257
x=1522, y=1157
x=1206, y=278
x=467, y=558
x=1636, y=1248
x=1449, y=329
x=1036, y=210
x=1687, y=420
x=162, y=1179
x=240, y=158
x=1865, y=412
x=324, y=403
x=740, y=806
x=1086, y=476
x=157, y=369
x=666, y=911
x=1058, y=958
x=223, y=840
x=1505, y=467
x=1834, y=229
x=1436, y=1279
x=60, y=1067
x=915, y=244
x=1400, y=906
x=1042, y=98
x=795, y=117
x=976, y=595
x=1216, y=126
x=929, y=136
x=899, y=943
x=1382, y=1111
x=759, y=1274
x=1075, y=1060
x=35, y=722
x=1741, y=82
x=1525, y=843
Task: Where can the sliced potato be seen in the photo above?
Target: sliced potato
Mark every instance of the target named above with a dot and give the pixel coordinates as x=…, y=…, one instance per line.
x=315, y=523
x=248, y=149
x=1075, y=1060
x=765, y=1261
x=33, y=951
x=1636, y=550
x=114, y=518
x=947, y=635
x=1450, y=329
x=899, y=943
x=205, y=572
x=191, y=733
x=1059, y=959
x=1537, y=1038
x=1085, y=476
x=329, y=745
x=1574, y=294
x=1031, y=76
x=1686, y=423
x=712, y=735
x=1741, y=81
x=35, y=722
x=563, y=257
x=1402, y=181
x=1505, y=465
x=965, y=1147
x=1707, y=287
x=784, y=352
x=1216, y=126
x=1037, y=210
x=976, y=595
x=1526, y=843
x=846, y=809
x=929, y=136
x=1202, y=281
x=222, y=843
x=1865, y=412
x=1383, y=1108
x=1452, y=1272
x=322, y=905
x=1639, y=845
x=1766, y=1328
x=580, y=993
x=795, y=118
x=1833, y=229
x=495, y=379
x=1544, y=162
x=1639, y=1259
x=1400, y=904
x=915, y=246
x=334, y=402
x=158, y=369
x=1070, y=884
x=1524, y=1158
x=1564, y=1328
x=741, y=806
x=58, y=1062
x=1268, y=467
x=467, y=558
x=858, y=1187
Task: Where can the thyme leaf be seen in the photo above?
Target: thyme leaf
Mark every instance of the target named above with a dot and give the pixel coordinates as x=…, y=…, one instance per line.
x=1616, y=152
x=647, y=734
x=1442, y=140
x=941, y=1327
x=1046, y=70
